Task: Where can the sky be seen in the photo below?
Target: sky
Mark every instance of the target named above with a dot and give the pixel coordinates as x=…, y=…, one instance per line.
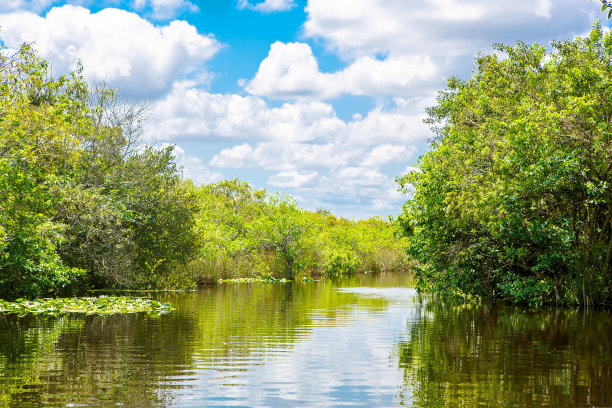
x=321, y=99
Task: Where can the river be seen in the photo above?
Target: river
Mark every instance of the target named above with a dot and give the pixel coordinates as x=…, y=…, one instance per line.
x=367, y=341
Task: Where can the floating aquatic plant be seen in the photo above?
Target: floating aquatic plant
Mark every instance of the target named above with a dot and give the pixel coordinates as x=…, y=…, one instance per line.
x=102, y=305
x=249, y=280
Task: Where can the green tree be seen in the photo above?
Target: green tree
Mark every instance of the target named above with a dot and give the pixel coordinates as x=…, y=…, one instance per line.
x=512, y=200
x=82, y=200
x=285, y=229
x=39, y=118
x=226, y=210
x=605, y=5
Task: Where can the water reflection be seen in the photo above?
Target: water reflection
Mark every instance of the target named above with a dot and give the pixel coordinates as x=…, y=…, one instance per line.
x=228, y=345
x=94, y=360
x=366, y=341
x=506, y=357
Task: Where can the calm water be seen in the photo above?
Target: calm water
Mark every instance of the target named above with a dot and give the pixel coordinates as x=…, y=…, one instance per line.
x=368, y=341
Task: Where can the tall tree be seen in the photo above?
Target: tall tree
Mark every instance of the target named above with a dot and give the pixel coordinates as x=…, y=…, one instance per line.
x=513, y=199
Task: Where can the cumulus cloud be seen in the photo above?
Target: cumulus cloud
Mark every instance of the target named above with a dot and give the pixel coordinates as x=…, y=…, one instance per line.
x=193, y=167
x=419, y=42
x=190, y=113
x=236, y=157
x=354, y=191
x=187, y=113
x=114, y=45
x=267, y=6
x=399, y=49
x=290, y=71
x=292, y=179
x=344, y=170
x=348, y=177
x=293, y=161
x=440, y=28
x=330, y=162
x=387, y=153
x=286, y=157
x=392, y=126
x=361, y=176
x=294, y=68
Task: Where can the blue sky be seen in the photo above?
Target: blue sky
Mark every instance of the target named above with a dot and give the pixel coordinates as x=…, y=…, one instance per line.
x=321, y=99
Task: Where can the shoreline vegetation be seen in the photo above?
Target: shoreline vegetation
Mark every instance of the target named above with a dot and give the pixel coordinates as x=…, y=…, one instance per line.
x=512, y=202
x=86, y=204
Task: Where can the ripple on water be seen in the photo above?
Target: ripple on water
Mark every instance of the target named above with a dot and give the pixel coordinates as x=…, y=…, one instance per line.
x=317, y=344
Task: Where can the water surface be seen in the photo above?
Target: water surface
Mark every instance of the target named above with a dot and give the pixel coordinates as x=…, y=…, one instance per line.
x=366, y=341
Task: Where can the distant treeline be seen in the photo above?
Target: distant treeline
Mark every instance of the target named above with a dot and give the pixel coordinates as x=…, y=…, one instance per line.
x=246, y=232
x=84, y=203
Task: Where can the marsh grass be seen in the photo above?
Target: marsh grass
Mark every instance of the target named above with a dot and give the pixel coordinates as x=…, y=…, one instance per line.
x=262, y=266
x=266, y=266
x=388, y=260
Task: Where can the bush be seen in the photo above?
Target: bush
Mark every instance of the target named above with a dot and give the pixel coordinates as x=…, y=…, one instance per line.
x=512, y=201
x=342, y=264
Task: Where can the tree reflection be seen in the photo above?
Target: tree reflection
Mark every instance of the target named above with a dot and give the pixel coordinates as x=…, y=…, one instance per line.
x=490, y=355
x=138, y=360
x=91, y=360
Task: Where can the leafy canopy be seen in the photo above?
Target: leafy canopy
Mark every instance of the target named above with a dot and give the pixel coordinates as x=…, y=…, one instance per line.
x=513, y=199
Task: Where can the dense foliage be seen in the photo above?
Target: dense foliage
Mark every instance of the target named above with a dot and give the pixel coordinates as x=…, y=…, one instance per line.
x=513, y=200
x=82, y=203
x=247, y=232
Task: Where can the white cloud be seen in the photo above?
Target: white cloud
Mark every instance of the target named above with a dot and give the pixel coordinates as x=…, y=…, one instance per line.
x=391, y=127
x=387, y=153
x=134, y=55
x=199, y=115
x=329, y=162
x=343, y=176
x=268, y=6
x=287, y=156
x=438, y=28
x=544, y=8
x=193, y=114
x=194, y=168
x=291, y=71
x=294, y=68
x=361, y=176
x=293, y=179
x=404, y=48
x=354, y=191
x=236, y=157
x=343, y=170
